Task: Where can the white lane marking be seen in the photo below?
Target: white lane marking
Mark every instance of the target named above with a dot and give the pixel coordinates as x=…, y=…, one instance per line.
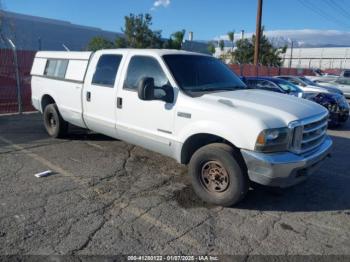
x=95, y=145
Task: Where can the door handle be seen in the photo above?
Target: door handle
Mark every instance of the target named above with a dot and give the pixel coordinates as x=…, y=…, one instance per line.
x=119, y=102
x=88, y=96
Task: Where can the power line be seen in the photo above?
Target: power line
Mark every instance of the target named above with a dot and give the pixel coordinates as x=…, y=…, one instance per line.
x=330, y=17
x=337, y=6
x=322, y=13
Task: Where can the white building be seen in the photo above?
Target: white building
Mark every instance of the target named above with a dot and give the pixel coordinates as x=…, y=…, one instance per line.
x=324, y=58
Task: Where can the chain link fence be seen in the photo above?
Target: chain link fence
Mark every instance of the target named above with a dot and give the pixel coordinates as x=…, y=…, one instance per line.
x=9, y=99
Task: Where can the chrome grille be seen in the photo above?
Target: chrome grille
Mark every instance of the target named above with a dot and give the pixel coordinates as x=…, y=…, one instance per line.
x=310, y=134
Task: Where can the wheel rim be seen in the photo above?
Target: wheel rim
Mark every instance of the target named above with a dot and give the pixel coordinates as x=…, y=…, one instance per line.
x=51, y=122
x=214, y=177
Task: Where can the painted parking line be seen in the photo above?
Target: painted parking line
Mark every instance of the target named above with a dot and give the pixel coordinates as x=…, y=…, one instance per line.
x=44, y=162
x=95, y=145
x=138, y=212
x=171, y=231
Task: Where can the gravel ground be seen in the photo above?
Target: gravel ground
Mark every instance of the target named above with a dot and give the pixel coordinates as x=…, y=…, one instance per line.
x=108, y=197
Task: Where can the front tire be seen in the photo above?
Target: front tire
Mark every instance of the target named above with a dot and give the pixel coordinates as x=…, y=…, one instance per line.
x=54, y=124
x=218, y=175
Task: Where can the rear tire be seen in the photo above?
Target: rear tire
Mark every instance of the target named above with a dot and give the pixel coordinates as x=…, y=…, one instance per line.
x=54, y=124
x=218, y=175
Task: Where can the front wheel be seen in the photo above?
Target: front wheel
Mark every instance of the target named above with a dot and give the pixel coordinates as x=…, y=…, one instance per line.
x=54, y=123
x=218, y=175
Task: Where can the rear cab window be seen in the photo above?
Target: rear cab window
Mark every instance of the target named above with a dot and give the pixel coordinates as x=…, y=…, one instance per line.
x=106, y=70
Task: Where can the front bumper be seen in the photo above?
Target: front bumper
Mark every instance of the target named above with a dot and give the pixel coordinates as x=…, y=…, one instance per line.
x=284, y=169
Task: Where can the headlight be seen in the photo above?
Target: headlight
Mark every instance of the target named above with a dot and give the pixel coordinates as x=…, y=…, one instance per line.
x=273, y=140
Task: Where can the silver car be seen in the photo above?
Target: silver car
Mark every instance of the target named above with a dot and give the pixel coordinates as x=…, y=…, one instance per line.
x=341, y=83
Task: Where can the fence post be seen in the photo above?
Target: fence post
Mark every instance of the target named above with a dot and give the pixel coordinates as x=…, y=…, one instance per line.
x=18, y=81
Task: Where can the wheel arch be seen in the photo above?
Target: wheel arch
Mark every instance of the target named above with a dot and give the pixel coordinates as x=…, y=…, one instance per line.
x=196, y=141
x=46, y=100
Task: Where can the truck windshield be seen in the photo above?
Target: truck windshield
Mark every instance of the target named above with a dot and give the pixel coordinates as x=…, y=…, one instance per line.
x=196, y=73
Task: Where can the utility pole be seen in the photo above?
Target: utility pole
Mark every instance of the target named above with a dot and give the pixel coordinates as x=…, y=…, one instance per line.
x=258, y=32
x=291, y=54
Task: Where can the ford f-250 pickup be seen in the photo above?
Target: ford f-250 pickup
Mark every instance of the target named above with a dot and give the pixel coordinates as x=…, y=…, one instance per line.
x=187, y=106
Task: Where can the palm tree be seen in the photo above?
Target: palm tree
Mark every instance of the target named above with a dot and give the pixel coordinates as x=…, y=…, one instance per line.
x=222, y=45
x=231, y=37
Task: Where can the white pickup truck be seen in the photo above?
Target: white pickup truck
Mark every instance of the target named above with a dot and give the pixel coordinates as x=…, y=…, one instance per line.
x=187, y=106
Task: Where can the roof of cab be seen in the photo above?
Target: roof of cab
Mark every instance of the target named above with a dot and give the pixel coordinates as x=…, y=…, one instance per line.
x=154, y=51
x=86, y=55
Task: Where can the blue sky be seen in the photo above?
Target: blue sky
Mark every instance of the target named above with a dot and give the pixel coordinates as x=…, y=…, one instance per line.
x=208, y=19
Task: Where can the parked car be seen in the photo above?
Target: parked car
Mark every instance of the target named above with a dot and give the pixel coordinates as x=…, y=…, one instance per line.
x=335, y=103
x=308, y=85
x=342, y=83
x=273, y=84
x=345, y=73
x=187, y=106
x=323, y=79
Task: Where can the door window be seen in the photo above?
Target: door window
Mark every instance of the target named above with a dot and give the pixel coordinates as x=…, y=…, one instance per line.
x=144, y=66
x=106, y=70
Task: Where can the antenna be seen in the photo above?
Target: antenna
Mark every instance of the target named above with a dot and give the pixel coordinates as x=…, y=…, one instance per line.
x=65, y=47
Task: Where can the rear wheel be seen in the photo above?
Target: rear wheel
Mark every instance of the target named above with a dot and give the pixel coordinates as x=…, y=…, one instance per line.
x=218, y=175
x=54, y=124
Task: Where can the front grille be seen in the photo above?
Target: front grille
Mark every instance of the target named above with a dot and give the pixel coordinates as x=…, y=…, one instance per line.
x=310, y=134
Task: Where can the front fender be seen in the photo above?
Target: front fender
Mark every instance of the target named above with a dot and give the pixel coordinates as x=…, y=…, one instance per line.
x=236, y=135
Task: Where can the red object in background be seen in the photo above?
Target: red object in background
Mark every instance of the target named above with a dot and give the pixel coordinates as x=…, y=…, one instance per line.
x=8, y=84
x=251, y=70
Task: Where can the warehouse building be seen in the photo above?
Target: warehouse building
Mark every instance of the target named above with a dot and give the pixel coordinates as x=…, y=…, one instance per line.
x=38, y=33
x=322, y=57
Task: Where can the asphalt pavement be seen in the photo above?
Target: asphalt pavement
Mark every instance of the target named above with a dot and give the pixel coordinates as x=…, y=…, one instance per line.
x=107, y=197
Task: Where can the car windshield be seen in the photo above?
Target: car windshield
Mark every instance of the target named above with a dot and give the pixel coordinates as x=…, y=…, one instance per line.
x=197, y=73
x=287, y=86
x=307, y=81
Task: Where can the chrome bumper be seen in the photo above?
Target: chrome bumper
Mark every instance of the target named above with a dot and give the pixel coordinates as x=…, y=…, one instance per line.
x=284, y=169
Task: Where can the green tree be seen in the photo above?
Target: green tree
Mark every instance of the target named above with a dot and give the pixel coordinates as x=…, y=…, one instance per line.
x=138, y=33
x=98, y=43
x=268, y=55
x=231, y=37
x=211, y=48
x=120, y=42
x=245, y=51
x=177, y=38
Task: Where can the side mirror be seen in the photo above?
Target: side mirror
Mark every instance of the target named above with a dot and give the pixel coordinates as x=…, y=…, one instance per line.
x=147, y=91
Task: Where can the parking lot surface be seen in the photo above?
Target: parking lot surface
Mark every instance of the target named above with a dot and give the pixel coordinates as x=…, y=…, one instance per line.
x=108, y=197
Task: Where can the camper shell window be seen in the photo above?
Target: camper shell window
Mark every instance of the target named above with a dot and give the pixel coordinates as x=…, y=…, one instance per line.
x=56, y=68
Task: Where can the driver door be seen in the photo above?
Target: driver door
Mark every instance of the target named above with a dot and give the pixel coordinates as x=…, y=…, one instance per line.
x=149, y=124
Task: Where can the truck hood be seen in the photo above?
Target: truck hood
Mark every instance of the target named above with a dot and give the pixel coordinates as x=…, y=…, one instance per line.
x=274, y=109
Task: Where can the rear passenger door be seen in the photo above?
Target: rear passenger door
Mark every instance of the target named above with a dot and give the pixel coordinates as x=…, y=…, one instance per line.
x=99, y=94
